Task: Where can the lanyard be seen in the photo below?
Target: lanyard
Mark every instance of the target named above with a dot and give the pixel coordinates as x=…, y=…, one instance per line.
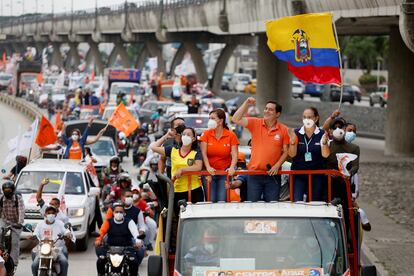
x=307, y=143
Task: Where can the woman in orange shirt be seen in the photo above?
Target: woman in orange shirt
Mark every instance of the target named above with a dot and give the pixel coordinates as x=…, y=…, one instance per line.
x=219, y=147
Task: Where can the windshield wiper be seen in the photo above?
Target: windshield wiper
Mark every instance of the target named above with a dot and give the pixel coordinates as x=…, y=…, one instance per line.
x=317, y=239
x=26, y=190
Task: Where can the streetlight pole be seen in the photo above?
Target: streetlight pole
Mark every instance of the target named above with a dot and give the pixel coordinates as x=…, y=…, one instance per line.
x=379, y=59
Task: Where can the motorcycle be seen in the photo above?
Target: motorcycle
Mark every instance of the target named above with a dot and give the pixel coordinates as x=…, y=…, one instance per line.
x=48, y=254
x=123, y=148
x=116, y=264
x=5, y=248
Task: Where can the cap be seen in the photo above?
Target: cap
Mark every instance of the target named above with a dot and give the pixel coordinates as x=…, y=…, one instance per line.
x=338, y=122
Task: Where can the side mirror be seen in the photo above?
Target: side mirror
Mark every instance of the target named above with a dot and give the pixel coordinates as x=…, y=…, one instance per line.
x=94, y=191
x=68, y=225
x=154, y=265
x=369, y=270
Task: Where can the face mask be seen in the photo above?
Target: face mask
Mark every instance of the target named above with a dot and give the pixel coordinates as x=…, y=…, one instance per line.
x=210, y=248
x=135, y=197
x=212, y=124
x=51, y=218
x=180, y=129
x=8, y=195
x=128, y=201
x=350, y=136
x=119, y=216
x=114, y=168
x=75, y=137
x=308, y=123
x=186, y=140
x=338, y=134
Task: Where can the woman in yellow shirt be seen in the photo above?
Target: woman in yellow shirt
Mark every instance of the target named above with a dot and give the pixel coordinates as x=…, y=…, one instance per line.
x=184, y=158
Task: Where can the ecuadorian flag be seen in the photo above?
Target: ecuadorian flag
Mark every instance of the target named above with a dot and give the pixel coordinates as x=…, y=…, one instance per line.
x=307, y=43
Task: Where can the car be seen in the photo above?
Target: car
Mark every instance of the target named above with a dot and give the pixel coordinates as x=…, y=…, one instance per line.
x=216, y=102
x=58, y=96
x=380, y=96
x=251, y=87
x=176, y=108
x=196, y=121
x=41, y=97
x=5, y=81
x=313, y=89
x=298, y=89
x=103, y=150
x=332, y=92
x=80, y=194
x=126, y=88
x=89, y=111
x=150, y=107
x=239, y=81
x=225, y=80
x=357, y=92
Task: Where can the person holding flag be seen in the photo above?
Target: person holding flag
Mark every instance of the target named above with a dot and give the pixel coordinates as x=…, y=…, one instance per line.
x=75, y=145
x=55, y=202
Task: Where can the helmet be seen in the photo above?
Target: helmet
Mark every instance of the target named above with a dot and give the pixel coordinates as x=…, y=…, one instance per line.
x=121, y=135
x=8, y=185
x=117, y=203
x=114, y=159
x=21, y=159
x=124, y=177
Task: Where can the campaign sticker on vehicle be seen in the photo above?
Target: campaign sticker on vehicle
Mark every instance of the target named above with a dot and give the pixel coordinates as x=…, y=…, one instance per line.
x=260, y=227
x=242, y=273
x=302, y=272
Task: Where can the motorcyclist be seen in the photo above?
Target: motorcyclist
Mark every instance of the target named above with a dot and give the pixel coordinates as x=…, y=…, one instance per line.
x=21, y=162
x=55, y=202
x=119, y=231
x=140, y=145
x=12, y=214
x=51, y=228
x=110, y=173
x=123, y=183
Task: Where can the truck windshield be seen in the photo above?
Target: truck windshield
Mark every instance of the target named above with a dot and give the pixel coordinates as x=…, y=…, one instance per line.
x=29, y=182
x=272, y=245
x=125, y=89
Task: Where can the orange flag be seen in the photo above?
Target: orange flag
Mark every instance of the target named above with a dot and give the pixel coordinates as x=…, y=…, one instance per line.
x=46, y=134
x=58, y=122
x=123, y=120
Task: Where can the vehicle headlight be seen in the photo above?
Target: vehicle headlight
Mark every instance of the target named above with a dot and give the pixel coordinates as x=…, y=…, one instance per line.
x=76, y=212
x=116, y=259
x=45, y=249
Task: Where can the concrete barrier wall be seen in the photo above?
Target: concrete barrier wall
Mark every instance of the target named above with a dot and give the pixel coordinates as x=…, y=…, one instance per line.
x=22, y=106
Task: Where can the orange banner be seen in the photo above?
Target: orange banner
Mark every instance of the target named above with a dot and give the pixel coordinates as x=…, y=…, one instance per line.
x=123, y=120
x=46, y=134
x=58, y=122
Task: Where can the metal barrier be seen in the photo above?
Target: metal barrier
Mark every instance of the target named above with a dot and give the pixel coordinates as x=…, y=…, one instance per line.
x=352, y=256
x=21, y=105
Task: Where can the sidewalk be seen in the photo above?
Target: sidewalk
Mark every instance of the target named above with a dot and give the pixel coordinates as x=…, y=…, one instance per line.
x=391, y=243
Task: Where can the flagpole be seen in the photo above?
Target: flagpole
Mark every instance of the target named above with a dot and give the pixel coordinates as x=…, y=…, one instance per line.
x=34, y=134
x=340, y=64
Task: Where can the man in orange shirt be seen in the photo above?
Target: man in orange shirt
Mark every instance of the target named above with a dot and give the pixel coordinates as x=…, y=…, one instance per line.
x=270, y=142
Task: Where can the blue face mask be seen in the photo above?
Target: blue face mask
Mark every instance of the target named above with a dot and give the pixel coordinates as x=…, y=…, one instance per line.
x=350, y=136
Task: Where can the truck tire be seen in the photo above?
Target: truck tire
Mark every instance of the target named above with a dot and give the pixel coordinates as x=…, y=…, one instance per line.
x=371, y=103
x=154, y=265
x=382, y=103
x=82, y=244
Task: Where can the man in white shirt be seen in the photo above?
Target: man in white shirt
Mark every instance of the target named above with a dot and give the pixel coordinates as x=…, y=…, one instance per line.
x=51, y=229
x=55, y=202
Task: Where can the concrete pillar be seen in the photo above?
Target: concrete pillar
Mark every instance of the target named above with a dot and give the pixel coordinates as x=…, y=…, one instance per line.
x=155, y=50
x=140, y=62
x=177, y=59
x=220, y=66
x=56, y=56
x=72, y=59
x=399, y=129
x=121, y=51
x=274, y=82
x=197, y=58
x=94, y=55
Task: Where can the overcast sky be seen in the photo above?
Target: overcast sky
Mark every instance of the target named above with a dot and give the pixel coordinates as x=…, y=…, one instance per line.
x=45, y=6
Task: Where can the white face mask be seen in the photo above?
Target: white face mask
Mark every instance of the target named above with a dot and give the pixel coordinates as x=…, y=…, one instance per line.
x=75, y=137
x=308, y=123
x=135, y=197
x=338, y=134
x=119, y=216
x=212, y=124
x=128, y=201
x=186, y=140
x=51, y=218
x=114, y=168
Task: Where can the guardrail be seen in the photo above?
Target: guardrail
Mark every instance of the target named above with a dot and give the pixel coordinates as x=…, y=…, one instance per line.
x=21, y=105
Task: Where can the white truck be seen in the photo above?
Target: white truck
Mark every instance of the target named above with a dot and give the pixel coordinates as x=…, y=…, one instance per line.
x=80, y=194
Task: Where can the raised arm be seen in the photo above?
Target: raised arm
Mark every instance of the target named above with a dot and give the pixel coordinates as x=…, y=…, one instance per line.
x=238, y=117
x=293, y=146
x=39, y=193
x=329, y=120
x=97, y=137
x=157, y=145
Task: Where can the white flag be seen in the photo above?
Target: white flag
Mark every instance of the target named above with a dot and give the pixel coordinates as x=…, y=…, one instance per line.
x=343, y=160
x=61, y=195
x=28, y=137
x=13, y=147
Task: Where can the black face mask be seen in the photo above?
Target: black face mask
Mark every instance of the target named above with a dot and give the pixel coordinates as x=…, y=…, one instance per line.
x=8, y=195
x=180, y=129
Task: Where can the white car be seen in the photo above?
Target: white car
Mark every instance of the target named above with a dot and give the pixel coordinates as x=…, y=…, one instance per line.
x=80, y=194
x=297, y=89
x=123, y=87
x=103, y=150
x=239, y=81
